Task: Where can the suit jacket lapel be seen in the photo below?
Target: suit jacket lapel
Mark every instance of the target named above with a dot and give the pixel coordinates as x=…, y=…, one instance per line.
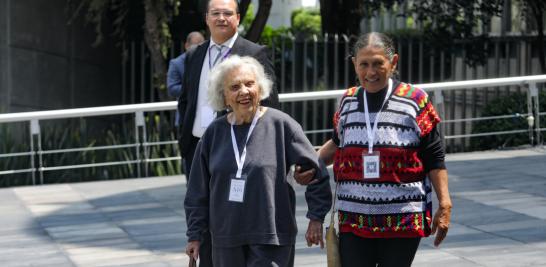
x=237, y=48
x=197, y=63
x=196, y=66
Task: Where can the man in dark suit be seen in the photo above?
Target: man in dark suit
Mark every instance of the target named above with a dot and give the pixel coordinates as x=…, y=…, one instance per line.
x=222, y=19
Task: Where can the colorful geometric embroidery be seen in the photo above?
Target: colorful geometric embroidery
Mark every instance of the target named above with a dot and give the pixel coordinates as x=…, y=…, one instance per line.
x=427, y=119
x=409, y=91
x=403, y=90
x=397, y=165
x=351, y=91
x=390, y=225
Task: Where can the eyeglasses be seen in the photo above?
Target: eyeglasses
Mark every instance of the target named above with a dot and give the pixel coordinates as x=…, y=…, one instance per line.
x=217, y=13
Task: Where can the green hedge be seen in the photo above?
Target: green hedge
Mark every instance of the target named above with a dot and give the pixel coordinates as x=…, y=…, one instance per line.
x=75, y=133
x=513, y=103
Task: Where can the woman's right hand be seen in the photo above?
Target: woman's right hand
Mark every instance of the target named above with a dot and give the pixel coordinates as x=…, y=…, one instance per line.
x=305, y=177
x=192, y=249
x=326, y=153
x=314, y=234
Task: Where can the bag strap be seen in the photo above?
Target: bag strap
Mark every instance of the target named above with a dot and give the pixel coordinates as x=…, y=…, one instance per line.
x=334, y=205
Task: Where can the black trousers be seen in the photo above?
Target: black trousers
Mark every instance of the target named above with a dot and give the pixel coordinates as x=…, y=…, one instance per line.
x=187, y=159
x=356, y=251
x=254, y=256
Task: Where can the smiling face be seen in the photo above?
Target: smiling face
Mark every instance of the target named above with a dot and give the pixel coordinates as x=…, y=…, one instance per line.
x=374, y=68
x=222, y=19
x=241, y=92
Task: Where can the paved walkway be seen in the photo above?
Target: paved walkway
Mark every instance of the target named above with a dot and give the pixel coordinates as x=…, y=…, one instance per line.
x=499, y=219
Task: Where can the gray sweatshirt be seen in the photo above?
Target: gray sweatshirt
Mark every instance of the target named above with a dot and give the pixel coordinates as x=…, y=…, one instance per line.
x=267, y=214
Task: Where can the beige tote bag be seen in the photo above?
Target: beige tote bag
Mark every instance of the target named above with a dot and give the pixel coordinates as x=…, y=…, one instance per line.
x=332, y=240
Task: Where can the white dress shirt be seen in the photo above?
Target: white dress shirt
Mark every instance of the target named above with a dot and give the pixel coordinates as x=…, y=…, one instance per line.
x=204, y=114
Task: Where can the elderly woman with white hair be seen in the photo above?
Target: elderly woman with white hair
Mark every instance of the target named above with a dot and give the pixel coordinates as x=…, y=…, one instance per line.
x=238, y=186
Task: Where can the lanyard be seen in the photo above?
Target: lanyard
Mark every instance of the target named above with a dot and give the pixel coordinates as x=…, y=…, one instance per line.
x=371, y=130
x=220, y=52
x=241, y=160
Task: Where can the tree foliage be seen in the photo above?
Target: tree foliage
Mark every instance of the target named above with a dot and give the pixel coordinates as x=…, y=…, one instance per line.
x=440, y=22
x=454, y=18
x=306, y=22
x=156, y=32
x=98, y=12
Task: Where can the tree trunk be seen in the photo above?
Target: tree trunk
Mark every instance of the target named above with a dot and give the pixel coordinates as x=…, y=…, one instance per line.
x=341, y=16
x=152, y=37
x=334, y=16
x=243, y=7
x=259, y=22
x=326, y=16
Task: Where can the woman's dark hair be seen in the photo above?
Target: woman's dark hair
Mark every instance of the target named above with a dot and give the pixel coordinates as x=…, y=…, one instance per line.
x=375, y=39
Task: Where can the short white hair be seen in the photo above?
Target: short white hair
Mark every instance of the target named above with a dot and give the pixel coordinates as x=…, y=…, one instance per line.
x=218, y=75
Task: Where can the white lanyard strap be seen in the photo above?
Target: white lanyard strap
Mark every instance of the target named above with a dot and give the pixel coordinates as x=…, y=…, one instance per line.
x=371, y=130
x=241, y=160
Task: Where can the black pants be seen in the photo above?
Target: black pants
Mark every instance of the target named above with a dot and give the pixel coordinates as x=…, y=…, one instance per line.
x=205, y=251
x=254, y=256
x=356, y=251
x=187, y=159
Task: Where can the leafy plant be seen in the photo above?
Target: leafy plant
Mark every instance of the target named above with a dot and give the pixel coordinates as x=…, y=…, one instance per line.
x=514, y=103
x=11, y=143
x=69, y=134
x=306, y=22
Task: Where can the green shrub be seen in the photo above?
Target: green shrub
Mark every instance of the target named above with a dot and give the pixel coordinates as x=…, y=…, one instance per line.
x=514, y=103
x=306, y=22
x=75, y=133
x=11, y=143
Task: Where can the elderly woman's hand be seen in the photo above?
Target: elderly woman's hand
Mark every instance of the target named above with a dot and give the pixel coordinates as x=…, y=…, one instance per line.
x=304, y=177
x=192, y=249
x=314, y=234
x=440, y=223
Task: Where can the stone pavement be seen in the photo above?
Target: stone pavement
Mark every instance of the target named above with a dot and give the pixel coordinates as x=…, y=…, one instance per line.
x=499, y=219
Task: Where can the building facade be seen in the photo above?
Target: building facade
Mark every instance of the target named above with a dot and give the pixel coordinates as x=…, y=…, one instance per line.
x=47, y=63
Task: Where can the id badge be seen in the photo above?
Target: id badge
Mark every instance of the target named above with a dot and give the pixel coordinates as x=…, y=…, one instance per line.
x=237, y=189
x=371, y=165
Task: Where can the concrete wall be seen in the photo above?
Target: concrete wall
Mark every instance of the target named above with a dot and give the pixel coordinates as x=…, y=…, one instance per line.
x=48, y=64
x=3, y=56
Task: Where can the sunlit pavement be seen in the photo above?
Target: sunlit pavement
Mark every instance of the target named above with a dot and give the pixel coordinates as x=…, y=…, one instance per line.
x=499, y=219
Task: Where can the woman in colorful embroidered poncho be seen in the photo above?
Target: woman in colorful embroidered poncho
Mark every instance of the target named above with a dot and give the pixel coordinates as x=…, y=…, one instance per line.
x=386, y=152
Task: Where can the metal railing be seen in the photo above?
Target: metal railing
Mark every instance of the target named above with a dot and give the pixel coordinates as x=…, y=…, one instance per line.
x=36, y=153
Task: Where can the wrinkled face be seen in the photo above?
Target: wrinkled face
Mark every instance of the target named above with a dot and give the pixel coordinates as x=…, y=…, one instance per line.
x=241, y=91
x=373, y=68
x=222, y=19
